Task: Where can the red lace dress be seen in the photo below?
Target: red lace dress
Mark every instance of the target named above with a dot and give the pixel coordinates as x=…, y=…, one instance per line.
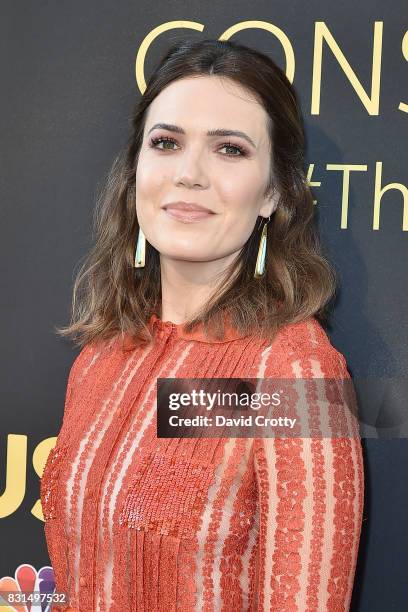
x=134, y=522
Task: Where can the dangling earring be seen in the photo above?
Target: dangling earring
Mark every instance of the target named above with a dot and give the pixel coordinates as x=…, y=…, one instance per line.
x=260, y=260
x=140, y=250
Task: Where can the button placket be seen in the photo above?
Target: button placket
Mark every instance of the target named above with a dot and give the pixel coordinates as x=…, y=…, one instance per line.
x=165, y=329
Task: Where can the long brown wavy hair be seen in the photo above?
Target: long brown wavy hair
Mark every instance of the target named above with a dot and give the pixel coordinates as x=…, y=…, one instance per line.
x=112, y=297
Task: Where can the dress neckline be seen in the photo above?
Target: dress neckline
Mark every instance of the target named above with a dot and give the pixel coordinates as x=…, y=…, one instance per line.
x=198, y=334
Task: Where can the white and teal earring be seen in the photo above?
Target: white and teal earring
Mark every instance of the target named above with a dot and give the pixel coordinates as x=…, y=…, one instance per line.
x=140, y=250
x=260, y=260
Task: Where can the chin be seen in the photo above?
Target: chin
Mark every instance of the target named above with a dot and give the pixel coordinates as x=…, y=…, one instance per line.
x=184, y=255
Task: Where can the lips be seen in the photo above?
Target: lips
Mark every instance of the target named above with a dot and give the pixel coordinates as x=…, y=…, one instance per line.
x=187, y=206
x=187, y=212
x=188, y=216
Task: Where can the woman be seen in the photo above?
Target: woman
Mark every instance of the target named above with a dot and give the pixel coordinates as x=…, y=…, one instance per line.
x=233, y=285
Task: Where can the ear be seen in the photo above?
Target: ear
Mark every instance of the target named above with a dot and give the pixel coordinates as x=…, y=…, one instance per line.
x=270, y=204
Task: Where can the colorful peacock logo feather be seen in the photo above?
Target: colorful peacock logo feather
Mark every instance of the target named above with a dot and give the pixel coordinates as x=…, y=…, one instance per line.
x=27, y=579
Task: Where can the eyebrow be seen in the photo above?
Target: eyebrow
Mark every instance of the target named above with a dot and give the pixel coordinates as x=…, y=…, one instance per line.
x=219, y=132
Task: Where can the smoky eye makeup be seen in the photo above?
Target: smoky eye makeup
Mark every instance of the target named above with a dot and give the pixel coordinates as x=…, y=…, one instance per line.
x=239, y=150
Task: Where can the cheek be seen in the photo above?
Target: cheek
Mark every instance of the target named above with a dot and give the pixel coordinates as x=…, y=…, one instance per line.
x=148, y=187
x=238, y=224
x=241, y=204
x=144, y=174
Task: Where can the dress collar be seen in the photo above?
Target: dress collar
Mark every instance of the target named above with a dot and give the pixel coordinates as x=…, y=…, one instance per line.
x=198, y=334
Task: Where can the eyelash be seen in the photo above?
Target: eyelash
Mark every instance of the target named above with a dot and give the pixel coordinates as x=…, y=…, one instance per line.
x=155, y=141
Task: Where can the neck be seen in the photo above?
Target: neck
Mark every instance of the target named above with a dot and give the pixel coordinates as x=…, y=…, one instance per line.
x=187, y=285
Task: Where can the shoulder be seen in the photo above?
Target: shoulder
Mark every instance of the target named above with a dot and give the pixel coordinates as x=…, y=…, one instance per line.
x=304, y=349
x=90, y=354
x=88, y=367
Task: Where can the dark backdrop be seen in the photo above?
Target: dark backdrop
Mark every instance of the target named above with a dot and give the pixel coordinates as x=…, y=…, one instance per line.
x=68, y=88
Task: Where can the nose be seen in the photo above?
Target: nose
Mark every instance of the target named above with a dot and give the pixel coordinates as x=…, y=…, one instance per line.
x=190, y=172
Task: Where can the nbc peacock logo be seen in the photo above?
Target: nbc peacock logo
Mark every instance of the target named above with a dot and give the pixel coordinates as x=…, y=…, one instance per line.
x=15, y=592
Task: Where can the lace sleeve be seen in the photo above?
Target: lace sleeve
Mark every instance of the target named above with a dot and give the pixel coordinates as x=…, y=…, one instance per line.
x=310, y=493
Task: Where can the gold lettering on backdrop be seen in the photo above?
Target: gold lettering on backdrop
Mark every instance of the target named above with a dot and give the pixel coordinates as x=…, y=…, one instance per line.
x=16, y=473
x=151, y=37
x=193, y=25
x=275, y=31
x=40, y=456
x=16, y=461
x=322, y=33
x=309, y=180
x=404, y=46
x=372, y=102
x=346, y=169
x=378, y=194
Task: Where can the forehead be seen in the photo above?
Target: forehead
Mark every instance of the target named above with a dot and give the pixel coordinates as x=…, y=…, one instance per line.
x=209, y=102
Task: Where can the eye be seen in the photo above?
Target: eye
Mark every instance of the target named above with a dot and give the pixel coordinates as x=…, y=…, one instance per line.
x=229, y=145
x=154, y=142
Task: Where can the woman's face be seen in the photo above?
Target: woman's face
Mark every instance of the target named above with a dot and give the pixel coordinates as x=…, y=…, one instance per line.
x=224, y=173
